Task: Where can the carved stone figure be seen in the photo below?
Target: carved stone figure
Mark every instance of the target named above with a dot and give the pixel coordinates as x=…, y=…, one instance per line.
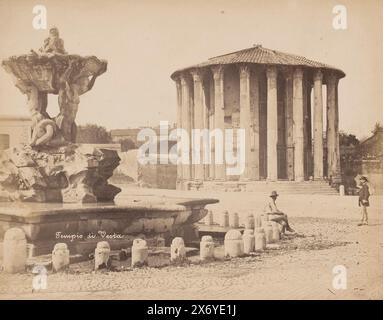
x=73, y=83
x=53, y=44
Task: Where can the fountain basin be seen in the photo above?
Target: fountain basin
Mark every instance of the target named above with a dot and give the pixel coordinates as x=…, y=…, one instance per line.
x=81, y=226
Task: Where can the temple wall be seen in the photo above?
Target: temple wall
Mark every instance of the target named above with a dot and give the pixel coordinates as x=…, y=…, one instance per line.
x=231, y=97
x=262, y=126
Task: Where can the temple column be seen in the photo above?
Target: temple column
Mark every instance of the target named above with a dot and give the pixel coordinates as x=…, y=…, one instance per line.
x=197, y=148
x=211, y=127
x=289, y=125
x=307, y=135
x=333, y=156
x=219, y=117
x=254, y=132
x=179, y=125
x=298, y=125
x=272, y=124
x=318, y=126
x=186, y=122
x=245, y=116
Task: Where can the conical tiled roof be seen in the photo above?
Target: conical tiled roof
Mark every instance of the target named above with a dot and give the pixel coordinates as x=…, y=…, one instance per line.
x=260, y=55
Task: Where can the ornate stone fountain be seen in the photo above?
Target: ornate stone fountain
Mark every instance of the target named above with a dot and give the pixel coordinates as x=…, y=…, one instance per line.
x=53, y=168
x=55, y=185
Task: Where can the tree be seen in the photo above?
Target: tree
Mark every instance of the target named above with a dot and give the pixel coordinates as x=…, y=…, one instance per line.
x=347, y=139
x=378, y=127
x=92, y=133
x=127, y=144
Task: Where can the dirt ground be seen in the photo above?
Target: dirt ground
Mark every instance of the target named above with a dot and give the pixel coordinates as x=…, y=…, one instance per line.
x=300, y=268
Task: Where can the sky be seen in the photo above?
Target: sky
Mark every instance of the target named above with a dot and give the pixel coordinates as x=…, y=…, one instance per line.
x=145, y=41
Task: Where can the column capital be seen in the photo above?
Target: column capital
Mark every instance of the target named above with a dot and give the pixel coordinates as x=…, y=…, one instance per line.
x=197, y=74
x=287, y=73
x=218, y=71
x=244, y=71
x=271, y=72
x=184, y=79
x=176, y=78
x=318, y=75
x=298, y=73
x=332, y=79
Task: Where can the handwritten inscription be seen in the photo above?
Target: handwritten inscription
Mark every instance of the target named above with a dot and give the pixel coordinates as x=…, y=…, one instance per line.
x=101, y=234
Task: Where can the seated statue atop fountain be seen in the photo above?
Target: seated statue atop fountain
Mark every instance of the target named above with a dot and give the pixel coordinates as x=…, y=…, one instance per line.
x=53, y=44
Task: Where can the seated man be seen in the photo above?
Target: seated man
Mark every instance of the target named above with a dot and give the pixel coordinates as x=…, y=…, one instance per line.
x=275, y=214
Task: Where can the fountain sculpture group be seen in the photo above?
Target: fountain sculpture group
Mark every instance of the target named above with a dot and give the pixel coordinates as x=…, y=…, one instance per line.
x=38, y=181
x=52, y=168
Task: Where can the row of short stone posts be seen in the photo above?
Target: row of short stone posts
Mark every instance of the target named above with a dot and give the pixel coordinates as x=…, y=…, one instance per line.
x=15, y=252
x=15, y=247
x=139, y=254
x=232, y=220
x=257, y=234
x=227, y=219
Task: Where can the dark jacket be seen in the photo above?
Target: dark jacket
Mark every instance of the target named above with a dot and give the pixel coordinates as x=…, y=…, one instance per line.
x=364, y=194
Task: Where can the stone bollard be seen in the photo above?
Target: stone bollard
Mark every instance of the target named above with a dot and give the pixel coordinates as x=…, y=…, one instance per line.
x=233, y=244
x=260, y=239
x=160, y=242
x=233, y=220
x=248, y=241
x=177, y=250
x=225, y=219
x=139, y=253
x=276, y=233
x=60, y=257
x=250, y=222
x=101, y=255
x=269, y=233
x=209, y=220
x=341, y=190
x=14, y=251
x=206, y=250
x=265, y=220
x=258, y=221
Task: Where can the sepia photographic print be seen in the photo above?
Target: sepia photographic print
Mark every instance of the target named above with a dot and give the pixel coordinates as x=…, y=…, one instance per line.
x=191, y=150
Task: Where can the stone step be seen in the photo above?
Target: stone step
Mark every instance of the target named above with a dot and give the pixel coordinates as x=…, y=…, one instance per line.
x=287, y=187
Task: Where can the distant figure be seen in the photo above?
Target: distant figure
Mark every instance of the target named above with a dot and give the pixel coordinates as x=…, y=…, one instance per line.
x=275, y=214
x=364, y=194
x=53, y=44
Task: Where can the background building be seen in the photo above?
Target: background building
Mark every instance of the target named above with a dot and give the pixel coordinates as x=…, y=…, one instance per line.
x=14, y=130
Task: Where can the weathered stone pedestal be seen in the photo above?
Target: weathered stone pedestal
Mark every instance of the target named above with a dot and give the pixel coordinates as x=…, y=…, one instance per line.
x=68, y=174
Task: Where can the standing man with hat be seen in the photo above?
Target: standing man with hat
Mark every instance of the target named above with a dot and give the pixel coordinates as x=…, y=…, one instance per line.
x=364, y=194
x=275, y=214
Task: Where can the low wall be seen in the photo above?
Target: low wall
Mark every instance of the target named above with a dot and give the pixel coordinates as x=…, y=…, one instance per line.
x=161, y=176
